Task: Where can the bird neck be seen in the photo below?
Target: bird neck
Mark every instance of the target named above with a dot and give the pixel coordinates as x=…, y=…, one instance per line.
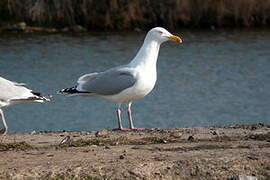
x=147, y=55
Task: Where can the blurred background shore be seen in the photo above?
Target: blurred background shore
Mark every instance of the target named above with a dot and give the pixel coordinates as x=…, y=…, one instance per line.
x=82, y=15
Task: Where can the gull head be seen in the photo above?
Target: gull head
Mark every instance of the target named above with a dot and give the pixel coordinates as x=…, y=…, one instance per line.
x=161, y=35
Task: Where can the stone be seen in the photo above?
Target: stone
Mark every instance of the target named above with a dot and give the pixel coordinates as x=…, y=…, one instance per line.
x=78, y=28
x=244, y=177
x=103, y=132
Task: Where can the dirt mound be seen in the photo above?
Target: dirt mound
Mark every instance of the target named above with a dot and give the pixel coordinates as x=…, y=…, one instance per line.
x=232, y=152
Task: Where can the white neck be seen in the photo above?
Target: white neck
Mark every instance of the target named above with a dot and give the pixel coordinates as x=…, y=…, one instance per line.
x=147, y=55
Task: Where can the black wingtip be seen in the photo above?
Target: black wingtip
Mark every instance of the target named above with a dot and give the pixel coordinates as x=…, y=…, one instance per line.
x=44, y=97
x=71, y=90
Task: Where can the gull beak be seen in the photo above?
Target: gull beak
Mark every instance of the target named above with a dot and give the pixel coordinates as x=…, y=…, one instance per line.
x=175, y=38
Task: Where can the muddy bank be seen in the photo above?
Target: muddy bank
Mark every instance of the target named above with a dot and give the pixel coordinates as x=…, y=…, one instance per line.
x=233, y=152
x=136, y=14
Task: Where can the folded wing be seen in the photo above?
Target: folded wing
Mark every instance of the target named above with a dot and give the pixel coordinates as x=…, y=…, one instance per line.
x=107, y=83
x=13, y=92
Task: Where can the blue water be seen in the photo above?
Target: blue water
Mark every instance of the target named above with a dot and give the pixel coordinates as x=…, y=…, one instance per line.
x=213, y=78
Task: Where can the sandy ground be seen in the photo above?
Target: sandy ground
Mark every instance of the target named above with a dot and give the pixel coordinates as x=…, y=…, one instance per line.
x=230, y=153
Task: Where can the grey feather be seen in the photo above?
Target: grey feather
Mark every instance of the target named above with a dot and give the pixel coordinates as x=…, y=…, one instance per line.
x=110, y=82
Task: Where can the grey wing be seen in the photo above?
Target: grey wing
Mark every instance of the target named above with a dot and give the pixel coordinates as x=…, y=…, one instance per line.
x=109, y=82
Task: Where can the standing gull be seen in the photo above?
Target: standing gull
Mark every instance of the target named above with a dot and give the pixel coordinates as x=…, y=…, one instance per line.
x=14, y=93
x=126, y=83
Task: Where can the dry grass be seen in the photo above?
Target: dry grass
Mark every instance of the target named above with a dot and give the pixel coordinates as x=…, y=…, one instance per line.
x=20, y=146
x=122, y=14
x=118, y=141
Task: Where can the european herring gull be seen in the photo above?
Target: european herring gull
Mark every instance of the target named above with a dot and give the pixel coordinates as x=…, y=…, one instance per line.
x=13, y=93
x=126, y=83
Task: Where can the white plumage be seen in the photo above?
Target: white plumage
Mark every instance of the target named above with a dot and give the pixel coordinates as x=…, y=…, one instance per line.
x=13, y=93
x=130, y=82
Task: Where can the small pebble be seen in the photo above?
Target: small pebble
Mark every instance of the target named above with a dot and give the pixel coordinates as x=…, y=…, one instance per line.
x=214, y=132
x=253, y=127
x=190, y=138
x=136, y=147
x=244, y=177
x=103, y=132
x=66, y=139
x=164, y=141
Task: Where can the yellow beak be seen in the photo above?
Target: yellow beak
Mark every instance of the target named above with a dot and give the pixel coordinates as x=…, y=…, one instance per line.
x=175, y=38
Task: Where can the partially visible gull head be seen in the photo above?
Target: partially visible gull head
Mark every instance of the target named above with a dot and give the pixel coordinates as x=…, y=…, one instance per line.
x=161, y=35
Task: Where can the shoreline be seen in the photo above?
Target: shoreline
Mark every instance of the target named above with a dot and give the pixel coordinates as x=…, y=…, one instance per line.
x=136, y=14
x=21, y=29
x=227, y=152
